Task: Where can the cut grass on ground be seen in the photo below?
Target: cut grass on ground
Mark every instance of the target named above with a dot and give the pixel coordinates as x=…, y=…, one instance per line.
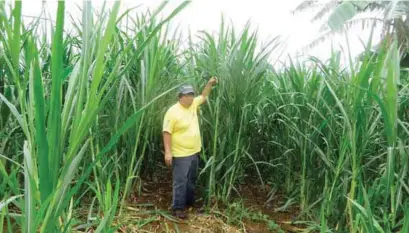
x=149, y=212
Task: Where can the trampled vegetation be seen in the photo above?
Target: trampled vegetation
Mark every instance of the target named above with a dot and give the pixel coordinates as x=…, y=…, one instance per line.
x=81, y=119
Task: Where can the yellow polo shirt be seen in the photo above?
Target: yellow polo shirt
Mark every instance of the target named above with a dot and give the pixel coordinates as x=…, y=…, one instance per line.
x=183, y=125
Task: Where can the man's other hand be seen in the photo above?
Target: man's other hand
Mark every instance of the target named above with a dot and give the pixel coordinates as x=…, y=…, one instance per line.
x=168, y=159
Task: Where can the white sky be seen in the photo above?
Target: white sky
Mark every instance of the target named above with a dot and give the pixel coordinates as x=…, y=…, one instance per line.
x=271, y=17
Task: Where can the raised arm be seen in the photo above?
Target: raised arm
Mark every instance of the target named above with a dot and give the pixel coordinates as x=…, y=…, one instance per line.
x=208, y=88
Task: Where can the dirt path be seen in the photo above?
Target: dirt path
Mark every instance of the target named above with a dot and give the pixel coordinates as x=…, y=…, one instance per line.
x=149, y=212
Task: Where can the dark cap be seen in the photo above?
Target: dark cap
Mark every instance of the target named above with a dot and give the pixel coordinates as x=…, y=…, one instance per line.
x=186, y=89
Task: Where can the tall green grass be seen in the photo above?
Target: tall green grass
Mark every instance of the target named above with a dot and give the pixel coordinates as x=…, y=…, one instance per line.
x=242, y=71
x=56, y=117
x=338, y=128
x=81, y=117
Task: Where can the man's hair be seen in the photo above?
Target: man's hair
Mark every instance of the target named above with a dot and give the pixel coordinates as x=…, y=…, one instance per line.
x=180, y=94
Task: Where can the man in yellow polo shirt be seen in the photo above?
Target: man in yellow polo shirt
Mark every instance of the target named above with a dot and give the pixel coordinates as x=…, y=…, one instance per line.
x=182, y=142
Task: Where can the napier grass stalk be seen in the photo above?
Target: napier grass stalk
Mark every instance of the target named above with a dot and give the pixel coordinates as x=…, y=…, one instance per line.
x=45, y=146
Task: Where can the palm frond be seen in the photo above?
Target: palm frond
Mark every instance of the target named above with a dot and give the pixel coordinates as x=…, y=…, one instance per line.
x=322, y=38
x=365, y=22
x=306, y=5
x=402, y=31
x=396, y=9
x=325, y=10
x=376, y=6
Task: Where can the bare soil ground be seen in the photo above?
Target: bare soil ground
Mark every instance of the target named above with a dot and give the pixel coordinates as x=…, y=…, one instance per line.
x=249, y=213
x=150, y=212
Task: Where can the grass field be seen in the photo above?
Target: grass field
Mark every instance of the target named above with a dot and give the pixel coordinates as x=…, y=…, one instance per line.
x=310, y=147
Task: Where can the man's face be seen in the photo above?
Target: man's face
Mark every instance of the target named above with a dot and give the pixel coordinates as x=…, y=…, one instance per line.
x=187, y=99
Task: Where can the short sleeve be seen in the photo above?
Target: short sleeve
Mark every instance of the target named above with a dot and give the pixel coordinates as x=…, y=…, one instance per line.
x=168, y=122
x=199, y=100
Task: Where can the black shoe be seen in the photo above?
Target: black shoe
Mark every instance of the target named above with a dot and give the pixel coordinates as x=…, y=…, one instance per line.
x=199, y=208
x=179, y=214
x=194, y=205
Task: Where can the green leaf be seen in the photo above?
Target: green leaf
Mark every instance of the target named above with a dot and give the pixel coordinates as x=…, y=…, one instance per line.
x=30, y=191
x=344, y=12
x=54, y=120
x=15, y=112
x=40, y=127
x=8, y=201
x=15, y=40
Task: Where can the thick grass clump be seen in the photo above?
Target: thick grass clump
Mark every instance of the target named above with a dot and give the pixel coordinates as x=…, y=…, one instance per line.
x=81, y=118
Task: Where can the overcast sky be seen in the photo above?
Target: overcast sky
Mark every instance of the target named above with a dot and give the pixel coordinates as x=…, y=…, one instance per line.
x=271, y=17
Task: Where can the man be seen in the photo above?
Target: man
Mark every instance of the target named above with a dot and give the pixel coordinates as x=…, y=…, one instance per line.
x=182, y=142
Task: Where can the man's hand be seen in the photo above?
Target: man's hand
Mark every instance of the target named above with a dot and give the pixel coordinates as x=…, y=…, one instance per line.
x=168, y=159
x=208, y=87
x=213, y=81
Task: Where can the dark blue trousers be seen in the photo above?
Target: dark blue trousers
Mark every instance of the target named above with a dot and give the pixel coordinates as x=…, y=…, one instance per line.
x=184, y=171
